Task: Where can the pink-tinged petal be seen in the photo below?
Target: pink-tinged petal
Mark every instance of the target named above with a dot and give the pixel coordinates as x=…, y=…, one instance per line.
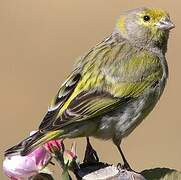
x=17, y=167
x=70, y=156
x=42, y=157
x=23, y=167
x=54, y=144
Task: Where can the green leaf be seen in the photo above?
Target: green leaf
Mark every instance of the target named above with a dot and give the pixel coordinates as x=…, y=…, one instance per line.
x=161, y=174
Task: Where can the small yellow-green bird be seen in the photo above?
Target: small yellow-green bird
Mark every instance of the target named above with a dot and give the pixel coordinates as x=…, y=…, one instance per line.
x=113, y=87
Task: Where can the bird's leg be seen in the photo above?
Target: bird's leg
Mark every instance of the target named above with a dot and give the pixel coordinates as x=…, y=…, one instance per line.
x=126, y=164
x=90, y=154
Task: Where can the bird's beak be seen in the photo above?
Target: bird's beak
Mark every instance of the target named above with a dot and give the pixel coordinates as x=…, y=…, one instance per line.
x=165, y=24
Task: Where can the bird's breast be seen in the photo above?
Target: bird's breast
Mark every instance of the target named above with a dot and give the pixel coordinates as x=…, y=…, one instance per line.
x=121, y=122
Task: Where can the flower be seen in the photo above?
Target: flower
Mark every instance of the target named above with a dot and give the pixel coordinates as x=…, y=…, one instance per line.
x=23, y=167
x=19, y=167
x=67, y=158
x=54, y=146
x=70, y=157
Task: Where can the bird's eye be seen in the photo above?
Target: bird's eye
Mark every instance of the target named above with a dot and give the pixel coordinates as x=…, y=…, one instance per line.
x=146, y=18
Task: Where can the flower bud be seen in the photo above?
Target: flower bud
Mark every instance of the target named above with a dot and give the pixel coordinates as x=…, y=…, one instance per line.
x=19, y=167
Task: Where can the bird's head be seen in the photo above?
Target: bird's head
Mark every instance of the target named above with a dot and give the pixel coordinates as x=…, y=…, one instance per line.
x=145, y=25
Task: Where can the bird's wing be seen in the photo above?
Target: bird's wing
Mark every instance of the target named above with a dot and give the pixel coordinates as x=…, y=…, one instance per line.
x=60, y=99
x=74, y=104
x=86, y=105
x=89, y=94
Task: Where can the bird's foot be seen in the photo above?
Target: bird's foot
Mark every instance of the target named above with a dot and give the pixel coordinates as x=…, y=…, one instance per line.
x=90, y=154
x=124, y=166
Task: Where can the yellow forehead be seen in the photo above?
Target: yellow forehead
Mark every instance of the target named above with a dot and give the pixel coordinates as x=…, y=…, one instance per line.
x=155, y=14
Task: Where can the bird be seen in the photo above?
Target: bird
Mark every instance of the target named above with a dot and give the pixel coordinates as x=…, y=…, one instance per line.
x=112, y=87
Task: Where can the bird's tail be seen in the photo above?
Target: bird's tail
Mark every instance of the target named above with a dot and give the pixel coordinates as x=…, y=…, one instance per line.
x=32, y=142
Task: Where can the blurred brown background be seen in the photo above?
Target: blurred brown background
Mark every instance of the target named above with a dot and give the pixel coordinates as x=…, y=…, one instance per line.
x=39, y=42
